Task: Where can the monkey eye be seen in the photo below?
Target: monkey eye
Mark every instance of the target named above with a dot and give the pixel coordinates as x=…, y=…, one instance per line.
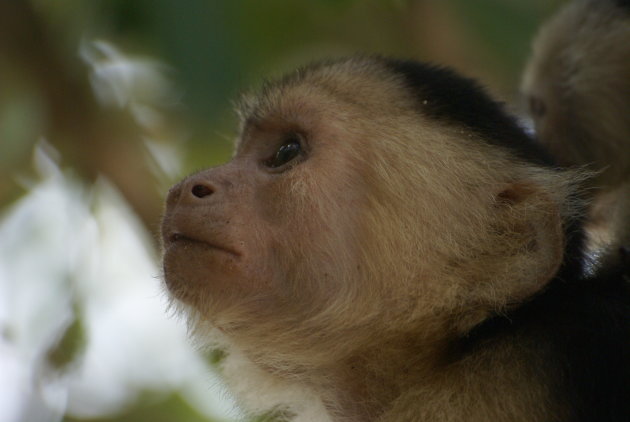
x=290, y=149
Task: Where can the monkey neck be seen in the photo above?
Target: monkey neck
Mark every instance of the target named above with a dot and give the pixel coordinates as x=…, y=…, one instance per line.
x=426, y=373
x=384, y=384
x=364, y=385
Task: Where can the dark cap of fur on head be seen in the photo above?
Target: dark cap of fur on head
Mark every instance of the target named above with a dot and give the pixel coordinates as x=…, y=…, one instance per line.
x=444, y=95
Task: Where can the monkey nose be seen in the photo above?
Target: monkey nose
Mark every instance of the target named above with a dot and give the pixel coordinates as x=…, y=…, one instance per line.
x=189, y=192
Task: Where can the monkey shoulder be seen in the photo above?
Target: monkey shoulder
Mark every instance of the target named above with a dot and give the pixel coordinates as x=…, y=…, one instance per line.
x=575, y=337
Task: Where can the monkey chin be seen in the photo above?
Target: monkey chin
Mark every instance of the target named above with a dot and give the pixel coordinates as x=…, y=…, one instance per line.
x=195, y=269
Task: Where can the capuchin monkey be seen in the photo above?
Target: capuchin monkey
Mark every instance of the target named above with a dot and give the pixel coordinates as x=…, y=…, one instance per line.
x=387, y=244
x=577, y=84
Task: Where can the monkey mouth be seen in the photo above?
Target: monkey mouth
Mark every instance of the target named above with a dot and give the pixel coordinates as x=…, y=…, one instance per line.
x=179, y=239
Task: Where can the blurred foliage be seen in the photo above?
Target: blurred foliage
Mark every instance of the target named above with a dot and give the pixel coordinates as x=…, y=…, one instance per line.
x=210, y=51
x=69, y=346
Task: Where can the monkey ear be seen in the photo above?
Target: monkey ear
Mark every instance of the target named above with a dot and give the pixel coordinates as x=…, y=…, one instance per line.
x=529, y=242
x=519, y=257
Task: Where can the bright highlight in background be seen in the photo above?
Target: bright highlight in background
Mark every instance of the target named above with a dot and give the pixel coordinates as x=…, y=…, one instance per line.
x=83, y=320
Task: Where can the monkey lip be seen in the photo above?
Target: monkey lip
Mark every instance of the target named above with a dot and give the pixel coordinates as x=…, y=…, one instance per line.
x=175, y=238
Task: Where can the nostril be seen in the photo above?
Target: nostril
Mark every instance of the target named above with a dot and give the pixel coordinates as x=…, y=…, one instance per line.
x=201, y=191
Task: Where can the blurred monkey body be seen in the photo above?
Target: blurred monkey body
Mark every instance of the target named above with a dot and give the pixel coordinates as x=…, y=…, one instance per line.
x=387, y=245
x=577, y=83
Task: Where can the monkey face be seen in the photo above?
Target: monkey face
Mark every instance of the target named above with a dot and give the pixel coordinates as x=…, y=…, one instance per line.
x=273, y=231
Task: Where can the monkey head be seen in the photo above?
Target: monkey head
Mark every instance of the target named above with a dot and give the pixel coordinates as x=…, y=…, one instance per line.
x=365, y=197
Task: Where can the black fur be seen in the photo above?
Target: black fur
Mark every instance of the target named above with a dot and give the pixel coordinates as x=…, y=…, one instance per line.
x=444, y=95
x=581, y=326
x=582, y=329
x=592, y=334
